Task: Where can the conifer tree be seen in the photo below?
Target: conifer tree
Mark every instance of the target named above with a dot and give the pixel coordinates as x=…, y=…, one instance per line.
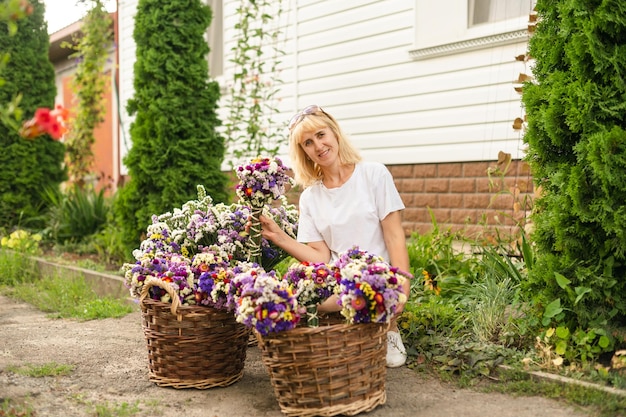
x=175, y=146
x=576, y=140
x=28, y=166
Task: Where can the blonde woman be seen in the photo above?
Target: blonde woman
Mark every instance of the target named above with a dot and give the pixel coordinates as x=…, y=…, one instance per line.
x=346, y=201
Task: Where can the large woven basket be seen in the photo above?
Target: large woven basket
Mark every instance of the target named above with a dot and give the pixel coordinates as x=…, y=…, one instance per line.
x=327, y=370
x=191, y=346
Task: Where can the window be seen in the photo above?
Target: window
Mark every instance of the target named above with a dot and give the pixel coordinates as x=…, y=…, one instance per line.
x=449, y=26
x=490, y=11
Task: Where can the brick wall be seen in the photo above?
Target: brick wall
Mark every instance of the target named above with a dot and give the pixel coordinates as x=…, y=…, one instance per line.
x=463, y=196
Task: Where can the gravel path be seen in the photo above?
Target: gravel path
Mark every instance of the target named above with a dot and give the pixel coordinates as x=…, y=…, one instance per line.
x=111, y=368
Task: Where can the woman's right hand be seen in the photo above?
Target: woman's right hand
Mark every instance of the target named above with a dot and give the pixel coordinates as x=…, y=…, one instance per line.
x=269, y=229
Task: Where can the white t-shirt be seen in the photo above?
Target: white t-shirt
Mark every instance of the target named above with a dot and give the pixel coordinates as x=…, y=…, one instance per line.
x=350, y=214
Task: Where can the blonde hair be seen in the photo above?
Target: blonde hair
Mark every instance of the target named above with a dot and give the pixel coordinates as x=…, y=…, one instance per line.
x=306, y=172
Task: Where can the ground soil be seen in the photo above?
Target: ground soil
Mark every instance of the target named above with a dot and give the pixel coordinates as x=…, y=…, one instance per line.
x=110, y=368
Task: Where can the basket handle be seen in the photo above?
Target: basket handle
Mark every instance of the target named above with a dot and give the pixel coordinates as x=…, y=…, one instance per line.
x=156, y=282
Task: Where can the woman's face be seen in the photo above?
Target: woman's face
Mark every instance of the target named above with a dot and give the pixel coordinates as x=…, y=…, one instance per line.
x=321, y=146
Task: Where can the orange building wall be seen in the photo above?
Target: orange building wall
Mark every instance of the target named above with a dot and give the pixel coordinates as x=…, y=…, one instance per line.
x=103, y=146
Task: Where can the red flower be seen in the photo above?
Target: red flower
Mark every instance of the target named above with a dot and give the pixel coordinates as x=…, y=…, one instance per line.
x=379, y=298
x=43, y=117
x=359, y=303
x=46, y=121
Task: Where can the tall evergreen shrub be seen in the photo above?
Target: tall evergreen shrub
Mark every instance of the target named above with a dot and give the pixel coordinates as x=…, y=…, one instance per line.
x=175, y=145
x=28, y=166
x=577, y=151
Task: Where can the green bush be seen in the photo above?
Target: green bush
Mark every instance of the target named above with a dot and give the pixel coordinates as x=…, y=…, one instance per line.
x=576, y=140
x=175, y=145
x=28, y=166
x=75, y=214
x=16, y=268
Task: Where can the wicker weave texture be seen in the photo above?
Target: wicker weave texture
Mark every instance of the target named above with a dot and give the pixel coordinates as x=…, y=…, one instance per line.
x=197, y=347
x=328, y=370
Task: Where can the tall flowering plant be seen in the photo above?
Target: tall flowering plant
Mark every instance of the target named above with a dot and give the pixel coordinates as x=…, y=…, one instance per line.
x=266, y=303
x=313, y=284
x=261, y=181
x=370, y=289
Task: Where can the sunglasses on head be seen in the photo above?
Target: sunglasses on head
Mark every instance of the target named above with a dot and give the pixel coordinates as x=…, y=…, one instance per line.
x=308, y=110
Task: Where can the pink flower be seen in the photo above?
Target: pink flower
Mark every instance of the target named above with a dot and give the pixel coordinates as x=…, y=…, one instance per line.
x=359, y=303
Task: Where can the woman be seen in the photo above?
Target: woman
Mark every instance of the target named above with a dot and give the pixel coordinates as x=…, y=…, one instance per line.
x=345, y=202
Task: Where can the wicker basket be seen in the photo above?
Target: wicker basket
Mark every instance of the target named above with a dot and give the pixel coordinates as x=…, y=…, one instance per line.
x=327, y=370
x=191, y=346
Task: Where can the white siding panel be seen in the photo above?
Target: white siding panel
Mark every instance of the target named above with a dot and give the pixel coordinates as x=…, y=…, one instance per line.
x=463, y=116
x=380, y=42
x=352, y=57
x=356, y=22
x=381, y=84
x=126, y=14
x=469, y=152
x=349, y=17
x=450, y=135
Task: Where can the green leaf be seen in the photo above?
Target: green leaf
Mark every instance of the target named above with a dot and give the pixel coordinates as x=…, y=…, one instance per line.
x=561, y=280
x=561, y=347
x=562, y=332
x=604, y=342
x=581, y=291
x=553, y=308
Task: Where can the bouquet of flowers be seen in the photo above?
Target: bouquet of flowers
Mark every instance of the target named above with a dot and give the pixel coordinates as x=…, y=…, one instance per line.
x=261, y=181
x=313, y=282
x=370, y=289
x=200, y=223
x=172, y=268
x=266, y=303
x=213, y=276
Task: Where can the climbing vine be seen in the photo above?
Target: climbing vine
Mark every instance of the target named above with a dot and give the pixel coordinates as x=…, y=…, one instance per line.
x=89, y=84
x=251, y=128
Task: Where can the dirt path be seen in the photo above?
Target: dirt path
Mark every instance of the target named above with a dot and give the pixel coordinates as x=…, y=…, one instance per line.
x=111, y=368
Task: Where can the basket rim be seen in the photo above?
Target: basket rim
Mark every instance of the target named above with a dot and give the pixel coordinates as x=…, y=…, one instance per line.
x=156, y=282
x=319, y=329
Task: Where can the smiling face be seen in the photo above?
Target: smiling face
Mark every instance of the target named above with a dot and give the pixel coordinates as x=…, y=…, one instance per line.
x=321, y=146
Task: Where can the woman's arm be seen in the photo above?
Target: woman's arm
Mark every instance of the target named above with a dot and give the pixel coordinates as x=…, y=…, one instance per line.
x=310, y=252
x=396, y=246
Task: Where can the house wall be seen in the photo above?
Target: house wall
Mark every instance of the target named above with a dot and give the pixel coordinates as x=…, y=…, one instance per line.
x=436, y=111
x=463, y=197
x=399, y=103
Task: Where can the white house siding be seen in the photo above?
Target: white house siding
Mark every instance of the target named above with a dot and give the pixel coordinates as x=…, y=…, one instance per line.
x=353, y=57
x=405, y=97
x=126, y=10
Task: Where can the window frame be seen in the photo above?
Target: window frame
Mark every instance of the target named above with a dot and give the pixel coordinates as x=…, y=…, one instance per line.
x=453, y=14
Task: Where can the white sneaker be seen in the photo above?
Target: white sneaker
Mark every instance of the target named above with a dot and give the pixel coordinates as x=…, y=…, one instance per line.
x=396, y=353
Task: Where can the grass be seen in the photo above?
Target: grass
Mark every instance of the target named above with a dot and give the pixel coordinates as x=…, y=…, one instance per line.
x=467, y=315
x=123, y=409
x=9, y=408
x=59, y=296
x=601, y=403
x=39, y=371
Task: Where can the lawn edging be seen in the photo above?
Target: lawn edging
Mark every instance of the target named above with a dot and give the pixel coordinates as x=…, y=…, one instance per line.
x=105, y=285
